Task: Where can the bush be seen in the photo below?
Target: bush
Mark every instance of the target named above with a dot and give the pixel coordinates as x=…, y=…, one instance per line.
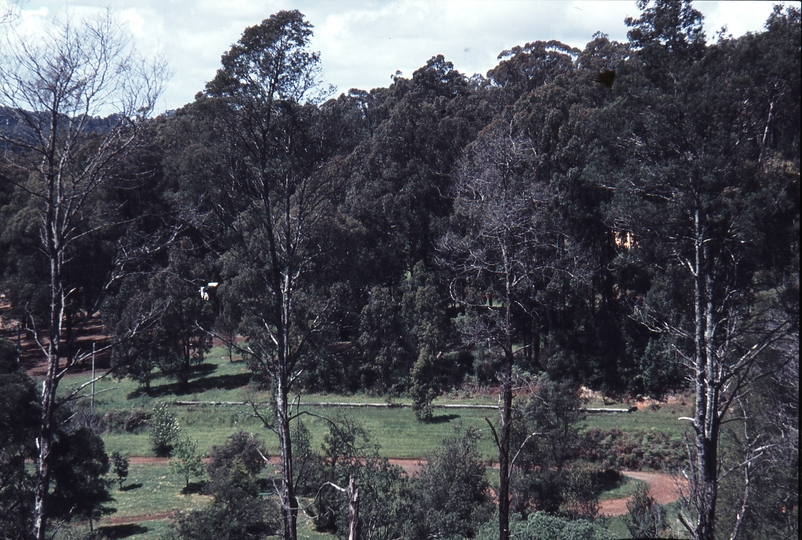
x=424, y=388
x=616, y=449
x=125, y=421
x=187, y=461
x=646, y=518
x=163, y=430
x=451, y=495
x=120, y=465
x=541, y=525
x=383, y=488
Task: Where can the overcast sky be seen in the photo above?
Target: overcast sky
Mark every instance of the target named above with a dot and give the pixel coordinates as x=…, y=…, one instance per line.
x=362, y=43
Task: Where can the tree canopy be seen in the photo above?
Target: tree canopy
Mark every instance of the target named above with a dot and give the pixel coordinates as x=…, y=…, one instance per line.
x=623, y=217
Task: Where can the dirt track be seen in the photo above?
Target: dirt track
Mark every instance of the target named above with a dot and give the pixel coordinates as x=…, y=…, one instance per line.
x=663, y=488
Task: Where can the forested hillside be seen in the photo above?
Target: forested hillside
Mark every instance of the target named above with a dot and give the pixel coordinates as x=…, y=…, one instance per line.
x=624, y=217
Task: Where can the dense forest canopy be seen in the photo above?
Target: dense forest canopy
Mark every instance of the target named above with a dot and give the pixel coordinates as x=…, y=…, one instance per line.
x=625, y=217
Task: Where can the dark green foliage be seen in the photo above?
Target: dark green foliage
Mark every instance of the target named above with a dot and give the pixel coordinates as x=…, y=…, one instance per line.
x=451, y=494
x=120, y=464
x=548, y=444
x=237, y=510
x=241, y=448
x=659, y=372
x=540, y=525
x=614, y=231
x=646, y=518
x=425, y=385
x=387, y=354
x=79, y=487
x=174, y=336
x=19, y=420
x=347, y=454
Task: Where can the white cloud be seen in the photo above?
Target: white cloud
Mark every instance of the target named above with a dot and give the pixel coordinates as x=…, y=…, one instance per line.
x=363, y=42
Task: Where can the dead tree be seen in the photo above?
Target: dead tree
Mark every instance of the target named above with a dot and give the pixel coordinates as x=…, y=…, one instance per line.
x=54, y=85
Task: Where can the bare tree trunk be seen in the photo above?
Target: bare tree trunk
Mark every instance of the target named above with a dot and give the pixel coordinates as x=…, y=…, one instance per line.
x=506, y=412
x=353, y=510
x=704, y=458
x=43, y=463
x=289, y=504
x=52, y=239
x=504, y=452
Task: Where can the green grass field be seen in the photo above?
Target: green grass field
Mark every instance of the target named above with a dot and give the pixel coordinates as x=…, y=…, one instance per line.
x=152, y=490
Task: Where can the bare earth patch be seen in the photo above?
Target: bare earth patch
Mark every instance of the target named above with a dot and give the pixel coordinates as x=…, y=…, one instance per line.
x=663, y=488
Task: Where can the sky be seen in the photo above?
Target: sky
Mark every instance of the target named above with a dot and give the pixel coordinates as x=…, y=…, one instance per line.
x=364, y=43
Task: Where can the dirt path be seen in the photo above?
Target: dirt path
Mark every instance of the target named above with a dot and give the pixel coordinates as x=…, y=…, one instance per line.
x=663, y=488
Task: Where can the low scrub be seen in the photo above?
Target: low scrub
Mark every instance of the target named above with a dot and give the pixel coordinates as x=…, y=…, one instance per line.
x=616, y=449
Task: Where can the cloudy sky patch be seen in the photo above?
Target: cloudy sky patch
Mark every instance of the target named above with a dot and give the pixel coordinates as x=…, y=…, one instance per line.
x=363, y=43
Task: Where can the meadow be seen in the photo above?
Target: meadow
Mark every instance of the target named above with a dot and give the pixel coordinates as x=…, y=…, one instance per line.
x=150, y=493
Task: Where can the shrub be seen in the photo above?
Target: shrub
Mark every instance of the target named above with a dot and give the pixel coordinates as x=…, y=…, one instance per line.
x=541, y=525
x=187, y=461
x=451, y=494
x=163, y=430
x=646, y=518
x=120, y=465
x=124, y=421
x=616, y=449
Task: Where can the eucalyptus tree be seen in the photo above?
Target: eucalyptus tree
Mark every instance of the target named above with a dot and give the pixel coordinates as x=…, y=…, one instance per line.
x=60, y=161
x=496, y=246
x=701, y=198
x=274, y=197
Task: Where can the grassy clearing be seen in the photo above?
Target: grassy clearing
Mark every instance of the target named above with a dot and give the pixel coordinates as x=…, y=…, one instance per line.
x=664, y=419
x=151, y=489
x=396, y=430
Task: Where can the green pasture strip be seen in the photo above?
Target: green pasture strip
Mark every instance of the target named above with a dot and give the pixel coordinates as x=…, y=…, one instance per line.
x=665, y=420
x=152, y=489
x=395, y=429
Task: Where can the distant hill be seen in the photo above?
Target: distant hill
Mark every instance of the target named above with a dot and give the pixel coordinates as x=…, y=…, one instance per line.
x=13, y=126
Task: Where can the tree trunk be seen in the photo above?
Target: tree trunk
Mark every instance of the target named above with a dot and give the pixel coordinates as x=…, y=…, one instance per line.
x=504, y=452
x=50, y=384
x=506, y=414
x=353, y=510
x=43, y=471
x=289, y=504
x=706, y=421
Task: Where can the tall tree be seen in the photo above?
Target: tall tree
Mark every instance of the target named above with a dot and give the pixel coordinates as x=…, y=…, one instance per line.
x=495, y=248
x=689, y=188
x=55, y=84
x=275, y=199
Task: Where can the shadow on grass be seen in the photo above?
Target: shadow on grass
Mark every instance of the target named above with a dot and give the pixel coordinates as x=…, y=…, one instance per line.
x=201, y=384
x=122, y=531
x=442, y=418
x=130, y=487
x=193, y=487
